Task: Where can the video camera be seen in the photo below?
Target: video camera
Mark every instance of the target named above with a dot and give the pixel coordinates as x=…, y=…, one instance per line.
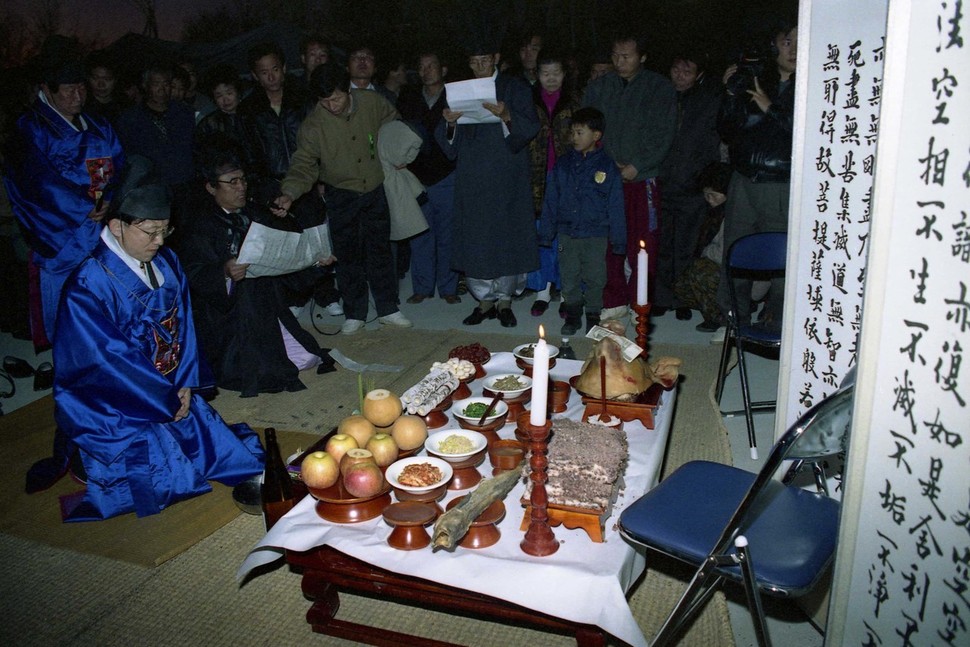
x=751, y=64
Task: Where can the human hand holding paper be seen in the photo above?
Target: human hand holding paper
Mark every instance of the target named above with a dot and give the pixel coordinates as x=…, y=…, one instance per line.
x=470, y=98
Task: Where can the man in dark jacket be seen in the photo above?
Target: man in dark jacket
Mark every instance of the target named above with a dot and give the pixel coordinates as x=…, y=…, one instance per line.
x=161, y=130
x=641, y=109
x=246, y=331
x=756, y=122
x=696, y=144
x=431, y=251
x=275, y=110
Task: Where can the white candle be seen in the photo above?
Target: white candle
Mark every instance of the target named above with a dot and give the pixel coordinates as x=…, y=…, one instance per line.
x=642, y=275
x=540, y=381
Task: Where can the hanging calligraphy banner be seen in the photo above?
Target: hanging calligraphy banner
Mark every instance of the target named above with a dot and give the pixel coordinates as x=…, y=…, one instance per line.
x=903, y=564
x=840, y=90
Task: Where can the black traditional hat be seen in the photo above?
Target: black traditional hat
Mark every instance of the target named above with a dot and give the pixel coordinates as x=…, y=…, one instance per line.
x=59, y=62
x=482, y=24
x=138, y=198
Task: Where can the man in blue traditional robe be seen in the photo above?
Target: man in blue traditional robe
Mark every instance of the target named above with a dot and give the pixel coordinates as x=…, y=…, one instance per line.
x=59, y=174
x=123, y=385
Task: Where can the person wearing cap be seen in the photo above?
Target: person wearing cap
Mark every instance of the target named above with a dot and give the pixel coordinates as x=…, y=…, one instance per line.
x=249, y=336
x=123, y=388
x=60, y=174
x=495, y=235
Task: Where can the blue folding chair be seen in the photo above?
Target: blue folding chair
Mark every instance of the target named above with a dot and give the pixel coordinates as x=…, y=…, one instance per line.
x=753, y=257
x=732, y=524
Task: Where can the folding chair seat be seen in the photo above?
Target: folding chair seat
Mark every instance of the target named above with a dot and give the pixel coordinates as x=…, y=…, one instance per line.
x=736, y=525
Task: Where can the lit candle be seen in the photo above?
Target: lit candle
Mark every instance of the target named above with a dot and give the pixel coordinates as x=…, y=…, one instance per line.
x=540, y=381
x=642, y=275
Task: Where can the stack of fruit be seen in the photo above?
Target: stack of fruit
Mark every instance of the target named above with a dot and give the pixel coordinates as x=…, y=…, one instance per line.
x=364, y=445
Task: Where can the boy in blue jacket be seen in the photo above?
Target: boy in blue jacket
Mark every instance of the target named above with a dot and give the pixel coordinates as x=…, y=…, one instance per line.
x=584, y=206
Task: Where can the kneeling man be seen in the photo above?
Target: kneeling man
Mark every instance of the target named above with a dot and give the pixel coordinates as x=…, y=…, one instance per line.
x=126, y=370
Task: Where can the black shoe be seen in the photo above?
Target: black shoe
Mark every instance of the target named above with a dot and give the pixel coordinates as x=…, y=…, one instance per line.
x=507, y=318
x=658, y=311
x=44, y=377
x=707, y=326
x=17, y=367
x=684, y=314
x=592, y=319
x=477, y=316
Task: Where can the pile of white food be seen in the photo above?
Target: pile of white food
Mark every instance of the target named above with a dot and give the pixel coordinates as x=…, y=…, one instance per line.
x=462, y=368
x=424, y=396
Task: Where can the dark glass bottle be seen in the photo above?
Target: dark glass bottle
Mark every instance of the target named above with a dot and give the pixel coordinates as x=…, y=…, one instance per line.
x=277, y=489
x=565, y=350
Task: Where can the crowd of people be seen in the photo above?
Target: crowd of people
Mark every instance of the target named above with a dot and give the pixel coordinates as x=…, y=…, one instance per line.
x=577, y=167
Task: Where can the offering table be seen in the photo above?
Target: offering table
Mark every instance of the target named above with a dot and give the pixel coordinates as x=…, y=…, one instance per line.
x=580, y=590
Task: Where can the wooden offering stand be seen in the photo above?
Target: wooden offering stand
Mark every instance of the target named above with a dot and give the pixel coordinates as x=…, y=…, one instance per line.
x=466, y=474
x=463, y=391
x=437, y=417
x=483, y=531
x=340, y=506
x=539, y=539
x=559, y=396
x=591, y=520
x=527, y=368
x=642, y=409
x=489, y=429
x=431, y=497
x=409, y=518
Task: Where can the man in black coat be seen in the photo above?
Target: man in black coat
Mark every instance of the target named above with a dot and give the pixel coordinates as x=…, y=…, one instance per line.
x=246, y=331
x=696, y=144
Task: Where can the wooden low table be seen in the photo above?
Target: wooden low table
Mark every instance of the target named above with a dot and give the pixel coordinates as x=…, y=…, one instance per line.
x=590, y=579
x=327, y=572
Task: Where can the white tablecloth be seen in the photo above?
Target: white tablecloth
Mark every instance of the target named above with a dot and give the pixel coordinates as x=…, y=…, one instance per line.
x=582, y=582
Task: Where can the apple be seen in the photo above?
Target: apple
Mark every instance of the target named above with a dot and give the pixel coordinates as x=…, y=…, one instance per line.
x=364, y=480
x=338, y=445
x=319, y=470
x=384, y=449
x=357, y=426
x=353, y=457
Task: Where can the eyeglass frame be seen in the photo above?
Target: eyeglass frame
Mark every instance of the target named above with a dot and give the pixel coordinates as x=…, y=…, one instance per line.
x=152, y=235
x=235, y=182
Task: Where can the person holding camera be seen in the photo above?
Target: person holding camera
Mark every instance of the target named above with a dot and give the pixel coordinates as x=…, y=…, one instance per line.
x=755, y=121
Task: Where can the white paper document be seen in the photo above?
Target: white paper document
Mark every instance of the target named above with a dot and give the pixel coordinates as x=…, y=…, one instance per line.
x=468, y=96
x=271, y=252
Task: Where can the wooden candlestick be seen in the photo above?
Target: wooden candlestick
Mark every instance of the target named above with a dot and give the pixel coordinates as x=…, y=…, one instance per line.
x=539, y=539
x=643, y=326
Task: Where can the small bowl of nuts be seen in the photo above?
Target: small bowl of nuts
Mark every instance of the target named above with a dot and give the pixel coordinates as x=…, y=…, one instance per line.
x=455, y=445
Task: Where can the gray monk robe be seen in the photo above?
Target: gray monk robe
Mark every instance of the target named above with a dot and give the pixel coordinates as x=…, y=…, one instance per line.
x=495, y=233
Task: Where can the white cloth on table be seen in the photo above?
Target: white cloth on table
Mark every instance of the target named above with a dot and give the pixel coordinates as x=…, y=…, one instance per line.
x=583, y=581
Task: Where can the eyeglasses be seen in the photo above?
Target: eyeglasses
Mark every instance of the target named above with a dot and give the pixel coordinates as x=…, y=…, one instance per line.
x=480, y=61
x=362, y=57
x=235, y=182
x=160, y=234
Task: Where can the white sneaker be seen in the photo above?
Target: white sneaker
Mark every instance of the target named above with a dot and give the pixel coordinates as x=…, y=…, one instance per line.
x=396, y=319
x=616, y=312
x=351, y=327
x=718, y=336
x=335, y=309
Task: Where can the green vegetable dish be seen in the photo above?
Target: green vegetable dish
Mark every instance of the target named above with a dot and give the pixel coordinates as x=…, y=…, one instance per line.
x=475, y=410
